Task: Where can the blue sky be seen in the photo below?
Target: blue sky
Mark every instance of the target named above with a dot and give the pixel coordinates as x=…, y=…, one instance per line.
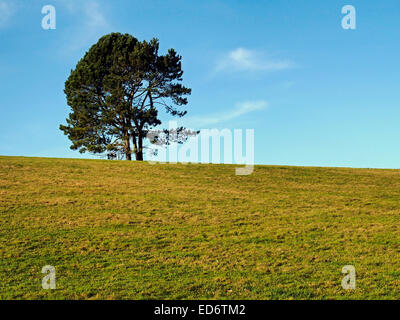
x=314, y=93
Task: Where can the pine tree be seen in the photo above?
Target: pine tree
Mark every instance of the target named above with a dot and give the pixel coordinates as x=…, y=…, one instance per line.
x=116, y=91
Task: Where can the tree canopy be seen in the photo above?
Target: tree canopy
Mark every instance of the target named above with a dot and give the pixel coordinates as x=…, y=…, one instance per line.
x=116, y=91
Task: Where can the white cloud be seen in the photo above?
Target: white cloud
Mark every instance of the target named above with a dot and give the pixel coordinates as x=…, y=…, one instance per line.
x=241, y=109
x=95, y=17
x=6, y=11
x=242, y=59
x=92, y=23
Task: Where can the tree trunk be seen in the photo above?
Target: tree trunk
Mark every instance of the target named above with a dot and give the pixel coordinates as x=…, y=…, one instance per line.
x=139, y=153
x=138, y=150
x=139, y=156
x=128, y=153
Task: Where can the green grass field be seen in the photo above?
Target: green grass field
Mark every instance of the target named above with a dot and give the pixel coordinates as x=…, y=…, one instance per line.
x=127, y=230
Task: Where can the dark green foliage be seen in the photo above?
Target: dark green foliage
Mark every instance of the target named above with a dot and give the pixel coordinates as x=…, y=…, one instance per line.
x=115, y=93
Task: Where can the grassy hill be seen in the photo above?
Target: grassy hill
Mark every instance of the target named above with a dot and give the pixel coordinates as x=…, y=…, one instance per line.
x=116, y=229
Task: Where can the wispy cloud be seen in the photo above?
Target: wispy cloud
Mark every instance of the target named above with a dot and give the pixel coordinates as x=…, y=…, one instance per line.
x=241, y=109
x=7, y=9
x=242, y=59
x=96, y=19
x=92, y=23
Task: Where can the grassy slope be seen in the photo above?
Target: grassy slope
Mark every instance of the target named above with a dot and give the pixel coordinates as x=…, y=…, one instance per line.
x=131, y=230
